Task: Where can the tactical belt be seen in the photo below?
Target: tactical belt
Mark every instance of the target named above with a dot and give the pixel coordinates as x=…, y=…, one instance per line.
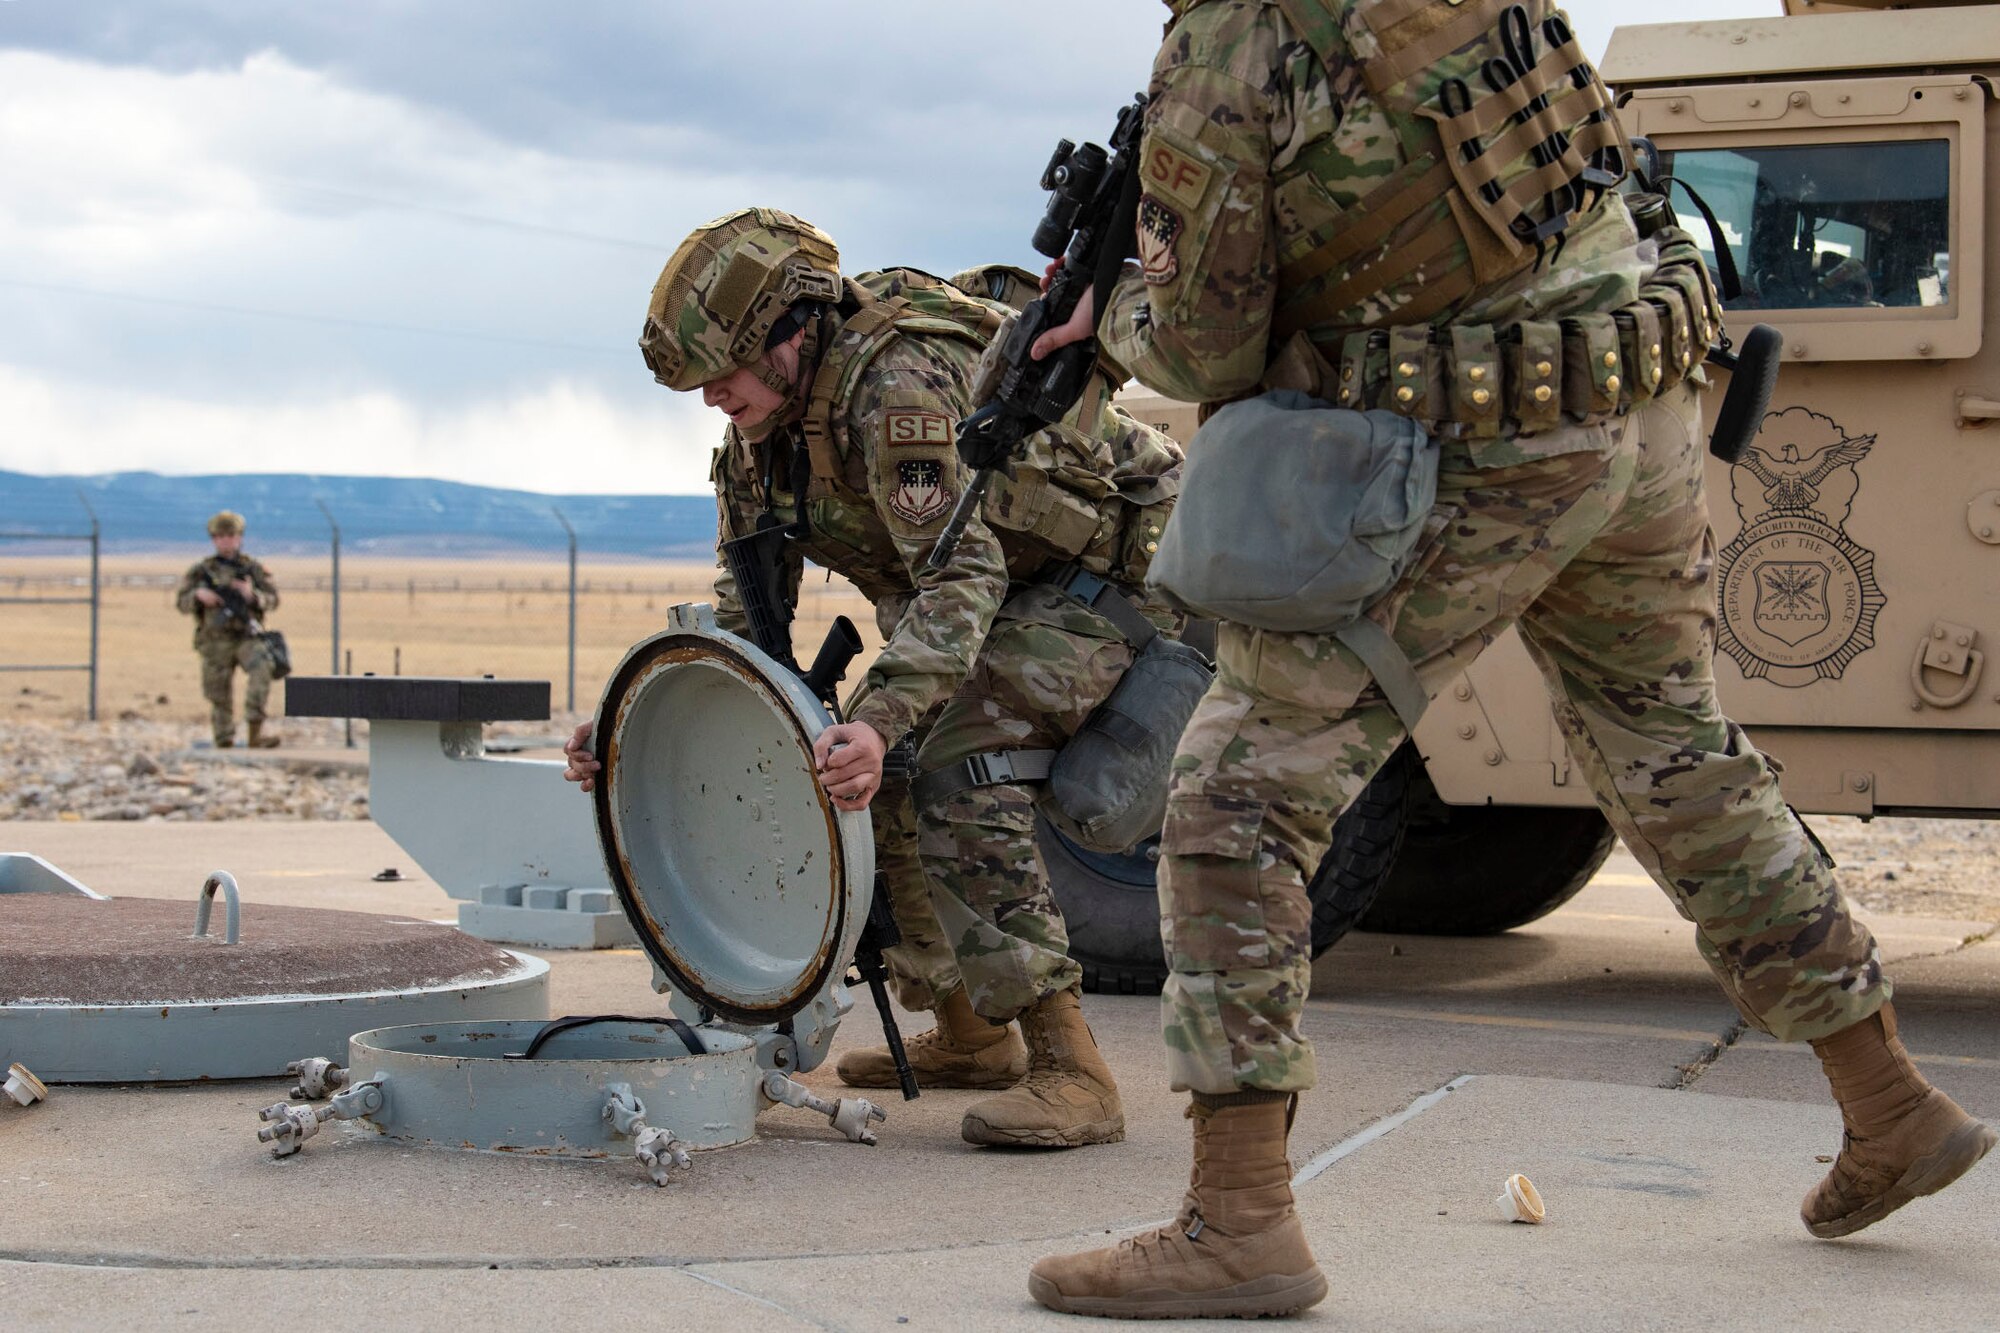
x=999, y=767
x=1483, y=380
x=992, y=769
x=1108, y=600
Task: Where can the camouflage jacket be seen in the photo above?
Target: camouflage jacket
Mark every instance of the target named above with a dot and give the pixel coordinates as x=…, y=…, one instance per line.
x=215, y=622
x=897, y=431
x=1239, y=103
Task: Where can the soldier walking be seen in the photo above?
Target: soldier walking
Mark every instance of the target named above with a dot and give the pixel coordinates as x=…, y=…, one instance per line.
x=1404, y=205
x=843, y=397
x=228, y=594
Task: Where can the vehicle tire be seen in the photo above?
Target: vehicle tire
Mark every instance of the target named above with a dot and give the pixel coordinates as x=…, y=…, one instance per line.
x=1481, y=870
x=1112, y=905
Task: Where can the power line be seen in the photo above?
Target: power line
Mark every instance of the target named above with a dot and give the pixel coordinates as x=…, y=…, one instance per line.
x=304, y=317
x=476, y=219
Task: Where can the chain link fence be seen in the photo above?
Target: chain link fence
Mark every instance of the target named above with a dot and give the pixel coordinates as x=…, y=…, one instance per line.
x=416, y=591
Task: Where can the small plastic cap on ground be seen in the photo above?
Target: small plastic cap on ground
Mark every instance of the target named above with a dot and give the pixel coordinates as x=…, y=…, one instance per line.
x=1520, y=1201
x=23, y=1087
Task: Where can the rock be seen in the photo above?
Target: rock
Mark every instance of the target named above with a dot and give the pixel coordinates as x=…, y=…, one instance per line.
x=142, y=765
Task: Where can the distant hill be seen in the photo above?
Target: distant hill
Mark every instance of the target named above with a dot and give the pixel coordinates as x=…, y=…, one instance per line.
x=389, y=515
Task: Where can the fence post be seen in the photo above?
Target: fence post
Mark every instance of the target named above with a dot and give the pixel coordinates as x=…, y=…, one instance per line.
x=570, y=532
x=335, y=668
x=96, y=592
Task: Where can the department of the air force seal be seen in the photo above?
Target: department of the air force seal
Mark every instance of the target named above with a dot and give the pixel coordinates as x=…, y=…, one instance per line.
x=1798, y=596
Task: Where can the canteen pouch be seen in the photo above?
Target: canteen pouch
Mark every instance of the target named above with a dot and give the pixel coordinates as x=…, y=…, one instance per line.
x=1107, y=789
x=1295, y=515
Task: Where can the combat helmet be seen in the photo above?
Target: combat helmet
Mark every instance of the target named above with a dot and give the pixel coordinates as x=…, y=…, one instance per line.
x=227, y=523
x=727, y=287
x=1009, y=284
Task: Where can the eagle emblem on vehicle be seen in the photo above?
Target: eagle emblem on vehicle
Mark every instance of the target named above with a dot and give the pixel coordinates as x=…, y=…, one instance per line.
x=1798, y=597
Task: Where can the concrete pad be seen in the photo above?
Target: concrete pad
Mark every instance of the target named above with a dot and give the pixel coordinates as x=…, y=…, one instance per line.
x=201, y=1159
x=309, y=863
x=1671, y=1209
x=55, y=1296
x=1666, y=1211
x=289, y=759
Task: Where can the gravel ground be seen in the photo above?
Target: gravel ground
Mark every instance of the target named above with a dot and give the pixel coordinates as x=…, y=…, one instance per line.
x=136, y=769
x=141, y=769
x=1917, y=867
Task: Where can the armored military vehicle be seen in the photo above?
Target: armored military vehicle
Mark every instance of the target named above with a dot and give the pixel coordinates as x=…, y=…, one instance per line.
x=1846, y=155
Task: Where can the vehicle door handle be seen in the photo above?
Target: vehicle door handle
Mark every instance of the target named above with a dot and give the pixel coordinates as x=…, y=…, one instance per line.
x=1976, y=410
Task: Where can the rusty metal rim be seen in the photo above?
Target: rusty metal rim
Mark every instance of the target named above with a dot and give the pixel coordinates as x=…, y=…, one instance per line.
x=618, y=697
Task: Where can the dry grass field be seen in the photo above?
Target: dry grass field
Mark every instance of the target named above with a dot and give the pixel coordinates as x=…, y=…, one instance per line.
x=429, y=617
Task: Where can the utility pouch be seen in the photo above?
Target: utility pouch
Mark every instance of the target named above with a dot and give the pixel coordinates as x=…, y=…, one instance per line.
x=278, y=651
x=1295, y=516
x=1108, y=786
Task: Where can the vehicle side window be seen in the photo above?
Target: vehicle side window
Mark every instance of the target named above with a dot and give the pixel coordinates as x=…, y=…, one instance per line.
x=1827, y=225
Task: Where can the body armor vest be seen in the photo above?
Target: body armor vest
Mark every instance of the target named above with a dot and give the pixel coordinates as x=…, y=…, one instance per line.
x=1066, y=500
x=1508, y=139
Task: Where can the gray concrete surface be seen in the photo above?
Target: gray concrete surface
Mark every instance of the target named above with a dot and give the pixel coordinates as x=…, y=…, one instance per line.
x=1670, y=1208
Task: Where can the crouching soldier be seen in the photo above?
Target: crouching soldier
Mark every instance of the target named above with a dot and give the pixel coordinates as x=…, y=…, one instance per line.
x=843, y=396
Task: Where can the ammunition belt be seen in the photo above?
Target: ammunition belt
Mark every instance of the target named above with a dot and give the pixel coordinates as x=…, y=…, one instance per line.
x=1483, y=380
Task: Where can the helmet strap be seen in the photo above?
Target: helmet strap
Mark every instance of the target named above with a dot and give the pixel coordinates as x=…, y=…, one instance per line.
x=796, y=392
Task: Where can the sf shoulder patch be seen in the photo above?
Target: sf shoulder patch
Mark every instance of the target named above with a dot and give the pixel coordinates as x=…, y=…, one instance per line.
x=921, y=493
x=1174, y=173
x=1159, y=228
x=907, y=426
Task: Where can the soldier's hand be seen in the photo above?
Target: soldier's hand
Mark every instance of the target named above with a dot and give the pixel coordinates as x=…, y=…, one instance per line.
x=1082, y=324
x=208, y=596
x=849, y=757
x=246, y=588
x=583, y=764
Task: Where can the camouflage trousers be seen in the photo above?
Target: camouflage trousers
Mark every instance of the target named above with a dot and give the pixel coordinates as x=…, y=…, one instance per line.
x=1598, y=549
x=1045, y=665
x=921, y=967
x=220, y=657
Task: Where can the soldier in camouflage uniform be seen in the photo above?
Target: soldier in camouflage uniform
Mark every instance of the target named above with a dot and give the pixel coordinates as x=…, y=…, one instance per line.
x=218, y=592
x=843, y=397
x=1332, y=203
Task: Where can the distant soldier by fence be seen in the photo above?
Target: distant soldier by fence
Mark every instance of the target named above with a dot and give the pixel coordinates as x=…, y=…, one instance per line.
x=228, y=594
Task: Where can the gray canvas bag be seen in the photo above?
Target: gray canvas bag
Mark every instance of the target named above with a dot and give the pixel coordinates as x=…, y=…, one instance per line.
x=1295, y=515
x=1107, y=788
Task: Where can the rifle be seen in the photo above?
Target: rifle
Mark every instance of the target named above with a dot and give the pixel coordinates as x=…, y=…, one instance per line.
x=236, y=607
x=1089, y=225
x=757, y=564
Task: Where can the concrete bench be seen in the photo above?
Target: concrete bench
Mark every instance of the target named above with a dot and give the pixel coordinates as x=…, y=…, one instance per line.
x=508, y=835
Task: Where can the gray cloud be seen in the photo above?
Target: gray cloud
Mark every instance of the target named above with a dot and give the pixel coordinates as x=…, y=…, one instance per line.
x=249, y=218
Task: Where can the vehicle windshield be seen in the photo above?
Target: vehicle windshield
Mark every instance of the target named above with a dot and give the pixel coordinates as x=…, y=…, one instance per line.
x=1827, y=225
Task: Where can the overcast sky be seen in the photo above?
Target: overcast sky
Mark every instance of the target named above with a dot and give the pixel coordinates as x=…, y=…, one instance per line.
x=416, y=239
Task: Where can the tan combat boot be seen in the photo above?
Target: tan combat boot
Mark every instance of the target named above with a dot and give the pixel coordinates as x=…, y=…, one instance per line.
x=259, y=741
x=962, y=1051
x=1904, y=1139
x=1067, y=1099
x=1235, y=1251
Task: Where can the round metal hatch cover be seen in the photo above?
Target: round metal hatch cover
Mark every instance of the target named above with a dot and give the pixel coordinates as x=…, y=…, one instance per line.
x=745, y=885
